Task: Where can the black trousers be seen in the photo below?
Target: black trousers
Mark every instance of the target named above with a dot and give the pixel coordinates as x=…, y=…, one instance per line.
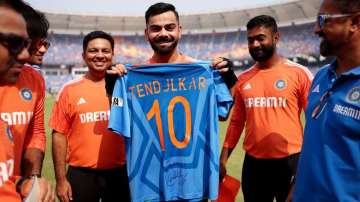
x=266, y=179
x=91, y=185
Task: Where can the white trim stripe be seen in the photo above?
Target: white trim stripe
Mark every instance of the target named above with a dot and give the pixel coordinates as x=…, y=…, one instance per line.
x=306, y=70
x=67, y=84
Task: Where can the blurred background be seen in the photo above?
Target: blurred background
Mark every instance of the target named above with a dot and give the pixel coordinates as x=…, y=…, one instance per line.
x=210, y=28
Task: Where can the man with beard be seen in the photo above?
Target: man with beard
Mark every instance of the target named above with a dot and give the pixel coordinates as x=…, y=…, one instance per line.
x=166, y=179
x=163, y=32
x=269, y=98
x=95, y=155
x=329, y=164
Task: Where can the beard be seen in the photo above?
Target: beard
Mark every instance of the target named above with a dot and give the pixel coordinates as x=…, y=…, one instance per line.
x=156, y=45
x=266, y=53
x=325, y=48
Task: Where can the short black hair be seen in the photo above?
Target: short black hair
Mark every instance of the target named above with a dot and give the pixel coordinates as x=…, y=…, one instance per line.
x=263, y=20
x=97, y=34
x=347, y=6
x=17, y=5
x=37, y=25
x=159, y=8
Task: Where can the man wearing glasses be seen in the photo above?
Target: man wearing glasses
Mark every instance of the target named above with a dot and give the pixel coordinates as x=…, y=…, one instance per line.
x=22, y=100
x=329, y=165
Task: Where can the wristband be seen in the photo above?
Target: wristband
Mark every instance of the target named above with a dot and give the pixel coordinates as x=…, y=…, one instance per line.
x=110, y=80
x=229, y=78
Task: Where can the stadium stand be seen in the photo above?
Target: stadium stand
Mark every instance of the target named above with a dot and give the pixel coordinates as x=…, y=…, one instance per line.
x=205, y=36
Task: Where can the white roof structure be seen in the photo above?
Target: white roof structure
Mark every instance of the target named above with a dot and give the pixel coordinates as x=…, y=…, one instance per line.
x=292, y=11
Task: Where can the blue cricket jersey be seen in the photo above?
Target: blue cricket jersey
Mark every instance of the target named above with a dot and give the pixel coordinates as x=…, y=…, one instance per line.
x=169, y=116
x=329, y=165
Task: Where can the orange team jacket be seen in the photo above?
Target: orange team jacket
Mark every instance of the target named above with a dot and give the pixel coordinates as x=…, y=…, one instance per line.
x=81, y=112
x=7, y=187
x=22, y=107
x=268, y=103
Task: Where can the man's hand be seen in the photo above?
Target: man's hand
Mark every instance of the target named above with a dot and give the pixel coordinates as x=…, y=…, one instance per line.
x=63, y=190
x=221, y=64
x=225, y=66
x=118, y=69
x=46, y=194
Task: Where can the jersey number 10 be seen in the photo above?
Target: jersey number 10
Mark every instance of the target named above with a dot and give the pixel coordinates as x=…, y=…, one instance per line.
x=155, y=111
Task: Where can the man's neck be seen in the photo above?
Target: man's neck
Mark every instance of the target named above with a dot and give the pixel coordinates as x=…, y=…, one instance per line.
x=348, y=60
x=174, y=57
x=273, y=61
x=95, y=77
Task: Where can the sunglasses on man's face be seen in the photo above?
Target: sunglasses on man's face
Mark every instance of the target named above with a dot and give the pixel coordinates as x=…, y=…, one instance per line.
x=14, y=43
x=322, y=18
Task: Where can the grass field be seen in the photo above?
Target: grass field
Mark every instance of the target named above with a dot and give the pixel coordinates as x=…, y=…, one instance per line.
x=234, y=164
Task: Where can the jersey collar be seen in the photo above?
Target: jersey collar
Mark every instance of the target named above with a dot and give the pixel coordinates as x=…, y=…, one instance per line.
x=355, y=71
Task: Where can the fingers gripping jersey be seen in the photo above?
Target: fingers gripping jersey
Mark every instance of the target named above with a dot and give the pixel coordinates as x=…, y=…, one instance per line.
x=169, y=114
x=7, y=187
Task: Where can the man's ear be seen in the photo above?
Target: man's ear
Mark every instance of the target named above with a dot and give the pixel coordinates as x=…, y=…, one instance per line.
x=277, y=37
x=355, y=22
x=146, y=34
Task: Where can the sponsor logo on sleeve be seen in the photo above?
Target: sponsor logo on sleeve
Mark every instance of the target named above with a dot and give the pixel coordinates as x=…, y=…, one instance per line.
x=117, y=101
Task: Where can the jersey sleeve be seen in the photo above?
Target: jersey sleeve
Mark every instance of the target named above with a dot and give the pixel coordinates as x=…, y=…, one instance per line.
x=237, y=120
x=120, y=114
x=223, y=95
x=60, y=118
x=35, y=134
x=305, y=80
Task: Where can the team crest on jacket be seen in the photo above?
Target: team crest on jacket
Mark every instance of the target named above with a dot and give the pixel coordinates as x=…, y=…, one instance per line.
x=9, y=134
x=353, y=95
x=26, y=94
x=280, y=84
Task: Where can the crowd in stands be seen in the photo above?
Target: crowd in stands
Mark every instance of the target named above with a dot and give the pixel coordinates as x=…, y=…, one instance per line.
x=296, y=40
x=66, y=50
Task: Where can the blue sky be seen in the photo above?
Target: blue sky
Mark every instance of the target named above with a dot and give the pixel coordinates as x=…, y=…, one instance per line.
x=138, y=7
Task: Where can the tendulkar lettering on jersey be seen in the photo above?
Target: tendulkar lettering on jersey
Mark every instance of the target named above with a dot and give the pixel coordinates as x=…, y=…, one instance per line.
x=170, y=85
x=16, y=118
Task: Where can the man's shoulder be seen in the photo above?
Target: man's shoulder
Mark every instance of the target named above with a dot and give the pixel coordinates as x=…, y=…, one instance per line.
x=247, y=74
x=298, y=69
x=71, y=85
x=323, y=71
x=30, y=78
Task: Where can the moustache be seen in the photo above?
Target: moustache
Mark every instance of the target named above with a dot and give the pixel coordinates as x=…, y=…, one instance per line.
x=257, y=49
x=164, y=39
